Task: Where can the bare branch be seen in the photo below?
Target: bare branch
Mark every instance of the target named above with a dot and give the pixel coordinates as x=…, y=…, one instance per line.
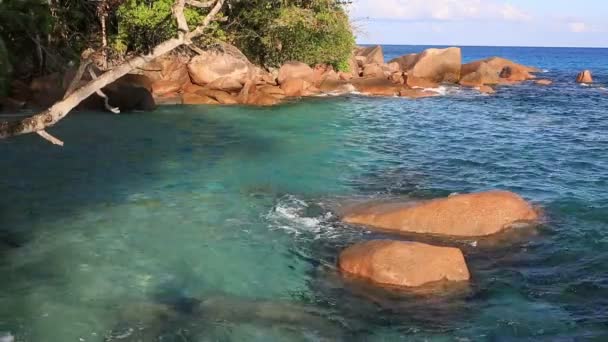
x=200, y=4
x=44, y=134
x=106, y=100
x=74, y=83
x=178, y=13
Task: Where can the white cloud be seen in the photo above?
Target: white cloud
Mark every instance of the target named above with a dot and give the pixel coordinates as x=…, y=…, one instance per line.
x=578, y=27
x=437, y=10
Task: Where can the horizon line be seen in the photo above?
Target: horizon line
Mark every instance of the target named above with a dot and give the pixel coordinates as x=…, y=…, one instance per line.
x=496, y=46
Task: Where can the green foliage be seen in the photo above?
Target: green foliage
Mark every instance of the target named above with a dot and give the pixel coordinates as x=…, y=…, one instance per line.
x=272, y=32
x=143, y=24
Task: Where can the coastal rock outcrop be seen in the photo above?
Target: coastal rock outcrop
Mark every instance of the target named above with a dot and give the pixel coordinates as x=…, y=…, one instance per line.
x=405, y=264
x=467, y=215
x=369, y=55
x=584, y=77
x=168, y=68
x=376, y=86
x=495, y=70
x=223, y=62
x=296, y=70
x=431, y=67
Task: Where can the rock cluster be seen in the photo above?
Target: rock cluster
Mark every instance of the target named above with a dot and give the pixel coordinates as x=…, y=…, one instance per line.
x=411, y=264
x=224, y=75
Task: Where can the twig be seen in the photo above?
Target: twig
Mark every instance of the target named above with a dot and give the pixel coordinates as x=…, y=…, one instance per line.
x=106, y=100
x=44, y=134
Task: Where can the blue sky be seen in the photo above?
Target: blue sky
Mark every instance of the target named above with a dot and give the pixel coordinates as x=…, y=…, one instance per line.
x=482, y=22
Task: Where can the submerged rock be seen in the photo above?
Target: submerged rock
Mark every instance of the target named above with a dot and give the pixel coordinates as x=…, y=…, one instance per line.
x=584, y=77
x=408, y=264
x=469, y=215
x=544, y=82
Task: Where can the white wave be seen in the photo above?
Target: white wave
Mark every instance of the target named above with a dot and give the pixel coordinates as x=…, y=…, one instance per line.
x=585, y=85
x=544, y=71
x=289, y=215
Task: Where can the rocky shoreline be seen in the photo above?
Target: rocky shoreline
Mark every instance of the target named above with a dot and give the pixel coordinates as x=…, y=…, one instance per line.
x=224, y=76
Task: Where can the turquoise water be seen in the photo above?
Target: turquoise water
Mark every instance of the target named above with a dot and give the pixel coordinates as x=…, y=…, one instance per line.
x=219, y=223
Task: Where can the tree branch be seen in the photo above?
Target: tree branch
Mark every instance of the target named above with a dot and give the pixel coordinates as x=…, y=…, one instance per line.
x=199, y=4
x=59, y=110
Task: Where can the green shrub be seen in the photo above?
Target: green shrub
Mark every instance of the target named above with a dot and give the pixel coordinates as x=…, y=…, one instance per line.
x=273, y=32
x=142, y=24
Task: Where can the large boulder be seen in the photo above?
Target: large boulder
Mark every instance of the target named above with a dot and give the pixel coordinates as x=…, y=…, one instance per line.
x=163, y=87
x=266, y=95
x=336, y=87
x=373, y=70
x=405, y=264
x=584, y=77
x=225, y=61
x=197, y=99
x=168, y=68
x=370, y=55
x=432, y=67
x=377, y=86
x=295, y=87
x=297, y=70
x=468, y=215
x=495, y=70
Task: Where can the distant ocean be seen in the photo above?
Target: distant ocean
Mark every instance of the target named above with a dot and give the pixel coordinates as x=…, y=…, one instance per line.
x=119, y=235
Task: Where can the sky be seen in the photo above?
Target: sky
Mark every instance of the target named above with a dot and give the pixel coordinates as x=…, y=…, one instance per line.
x=572, y=23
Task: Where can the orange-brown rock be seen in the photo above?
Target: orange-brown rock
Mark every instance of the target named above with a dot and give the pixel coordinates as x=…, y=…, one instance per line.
x=169, y=67
x=469, y=215
x=397, y=77
x=488, y=71
x=253, y=95
x=378, y=86
x=295, y=86
x=197, y=99
x=220, y=96
x=431, y=67
x=485, y=89
x=584, y=77
x=271, y=90
x=370, y=55
x=405, y=62
x=162, y=87
x=225, y=83
x=373, y=70
x=226, y=61
x=404, y=264
x=544, y=82
x=169, y=99
x=336, y=87
x=416, y=93
x=298, y=70
x=191, y=88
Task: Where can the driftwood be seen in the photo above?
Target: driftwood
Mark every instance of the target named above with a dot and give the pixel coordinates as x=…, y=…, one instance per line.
x=39, y=122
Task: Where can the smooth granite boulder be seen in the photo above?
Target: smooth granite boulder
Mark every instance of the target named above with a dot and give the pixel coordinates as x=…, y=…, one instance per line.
x=405, y=264
x=468, y=215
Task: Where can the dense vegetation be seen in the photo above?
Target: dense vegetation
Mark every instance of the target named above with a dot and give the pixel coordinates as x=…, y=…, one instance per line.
x=42, y=36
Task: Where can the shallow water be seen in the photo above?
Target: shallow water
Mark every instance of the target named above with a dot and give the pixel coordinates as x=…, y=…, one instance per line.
x=219, y=223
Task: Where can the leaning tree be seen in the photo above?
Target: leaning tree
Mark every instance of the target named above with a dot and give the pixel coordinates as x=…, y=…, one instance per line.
x=38, y=123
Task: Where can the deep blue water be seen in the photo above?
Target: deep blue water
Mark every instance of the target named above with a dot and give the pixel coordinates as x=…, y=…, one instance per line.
x=140, y=220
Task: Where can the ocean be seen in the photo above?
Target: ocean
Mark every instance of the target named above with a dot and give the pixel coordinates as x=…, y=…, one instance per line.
x=211, y=223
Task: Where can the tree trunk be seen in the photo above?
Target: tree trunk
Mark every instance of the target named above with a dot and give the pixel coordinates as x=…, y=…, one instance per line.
x=49, y=117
